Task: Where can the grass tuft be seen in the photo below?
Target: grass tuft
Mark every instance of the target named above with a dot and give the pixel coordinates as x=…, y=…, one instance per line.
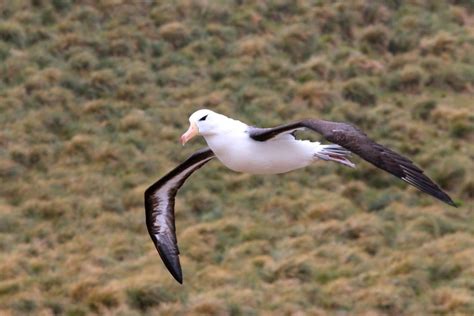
x=359, y=90
x=408, y=79
x=422, y=110
x=316, y=96
x=374, y=39
x=12, y=33
x=145, y=297
x=83, y=61
x=440, y=44
x=175, y=32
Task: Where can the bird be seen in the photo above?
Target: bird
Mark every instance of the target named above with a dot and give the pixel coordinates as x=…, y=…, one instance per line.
x=249, y=149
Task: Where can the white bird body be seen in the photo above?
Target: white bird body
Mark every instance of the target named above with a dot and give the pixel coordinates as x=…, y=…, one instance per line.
x=229, y=140
x=238, y=152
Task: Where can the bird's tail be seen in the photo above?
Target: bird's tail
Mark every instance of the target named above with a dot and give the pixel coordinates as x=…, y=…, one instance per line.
x=334, y=153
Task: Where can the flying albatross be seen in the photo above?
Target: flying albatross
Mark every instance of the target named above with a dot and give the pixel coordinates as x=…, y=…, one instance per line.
x=254, y=150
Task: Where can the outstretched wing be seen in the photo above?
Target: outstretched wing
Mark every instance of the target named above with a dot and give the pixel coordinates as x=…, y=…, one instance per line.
x=159, y=209
x=353, y=139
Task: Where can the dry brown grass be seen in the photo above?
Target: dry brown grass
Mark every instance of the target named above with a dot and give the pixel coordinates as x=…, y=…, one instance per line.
x=94, y=97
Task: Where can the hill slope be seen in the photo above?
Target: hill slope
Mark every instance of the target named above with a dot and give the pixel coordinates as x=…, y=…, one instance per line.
x=94, y=96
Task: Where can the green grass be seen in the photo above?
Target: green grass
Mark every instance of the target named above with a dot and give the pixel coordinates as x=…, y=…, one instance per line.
x=94, y=97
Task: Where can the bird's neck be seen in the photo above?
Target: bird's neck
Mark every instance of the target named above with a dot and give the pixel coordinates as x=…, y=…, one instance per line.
x=230, y=132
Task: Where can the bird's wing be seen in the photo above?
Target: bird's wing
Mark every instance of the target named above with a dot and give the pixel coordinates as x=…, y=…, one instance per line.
x=159, y=209
x=353, y=139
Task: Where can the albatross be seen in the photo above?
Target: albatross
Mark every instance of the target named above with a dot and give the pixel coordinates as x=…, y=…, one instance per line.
x=275, y=150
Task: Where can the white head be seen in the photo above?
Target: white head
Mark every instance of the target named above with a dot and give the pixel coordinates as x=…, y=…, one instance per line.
x=206, y=122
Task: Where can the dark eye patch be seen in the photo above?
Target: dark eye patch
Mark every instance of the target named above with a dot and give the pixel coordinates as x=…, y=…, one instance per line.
x=203, y=118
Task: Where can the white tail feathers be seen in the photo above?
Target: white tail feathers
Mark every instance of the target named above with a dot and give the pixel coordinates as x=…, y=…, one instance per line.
x=334, y=153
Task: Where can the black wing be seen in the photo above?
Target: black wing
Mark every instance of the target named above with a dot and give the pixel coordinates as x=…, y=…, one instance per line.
x=353, y=139
x=159, y=209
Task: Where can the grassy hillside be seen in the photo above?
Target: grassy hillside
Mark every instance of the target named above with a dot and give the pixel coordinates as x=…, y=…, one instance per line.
x=95, y=94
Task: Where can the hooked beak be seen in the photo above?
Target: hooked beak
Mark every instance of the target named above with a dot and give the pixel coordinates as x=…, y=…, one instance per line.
x=190, y=133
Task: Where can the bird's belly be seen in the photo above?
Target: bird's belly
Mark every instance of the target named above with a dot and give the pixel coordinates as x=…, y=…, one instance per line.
x=266, y=157
x=262, y=167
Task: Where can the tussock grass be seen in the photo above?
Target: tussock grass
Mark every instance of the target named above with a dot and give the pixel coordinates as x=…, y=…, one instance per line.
x=315, y=96
x=374, y=38
x=94, y=97
x=360, y=65
x=174, y=32
x=441, y=44
x=13, y=33
x=408, y=79
x=360, y=91
x=145, y=297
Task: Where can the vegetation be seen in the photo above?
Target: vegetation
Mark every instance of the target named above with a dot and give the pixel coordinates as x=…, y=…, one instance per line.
x=94, y=96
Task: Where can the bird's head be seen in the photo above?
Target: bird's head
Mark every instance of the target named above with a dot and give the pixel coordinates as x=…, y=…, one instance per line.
x=204, y=122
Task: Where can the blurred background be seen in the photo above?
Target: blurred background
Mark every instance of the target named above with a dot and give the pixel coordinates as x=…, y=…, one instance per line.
x=95, y=94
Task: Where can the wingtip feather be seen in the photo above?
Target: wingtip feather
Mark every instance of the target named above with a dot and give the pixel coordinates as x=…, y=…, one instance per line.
x=174, y=269
x=171, y=261
x=177, y=274
x=450, y=202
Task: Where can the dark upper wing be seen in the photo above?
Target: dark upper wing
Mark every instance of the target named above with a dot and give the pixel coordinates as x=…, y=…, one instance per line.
x=353, y=139
x=159, y=209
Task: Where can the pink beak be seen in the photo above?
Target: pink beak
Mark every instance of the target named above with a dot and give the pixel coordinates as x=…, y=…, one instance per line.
x=190, y=133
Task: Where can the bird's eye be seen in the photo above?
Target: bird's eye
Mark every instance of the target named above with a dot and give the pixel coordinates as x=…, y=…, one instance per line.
x=203, y=118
